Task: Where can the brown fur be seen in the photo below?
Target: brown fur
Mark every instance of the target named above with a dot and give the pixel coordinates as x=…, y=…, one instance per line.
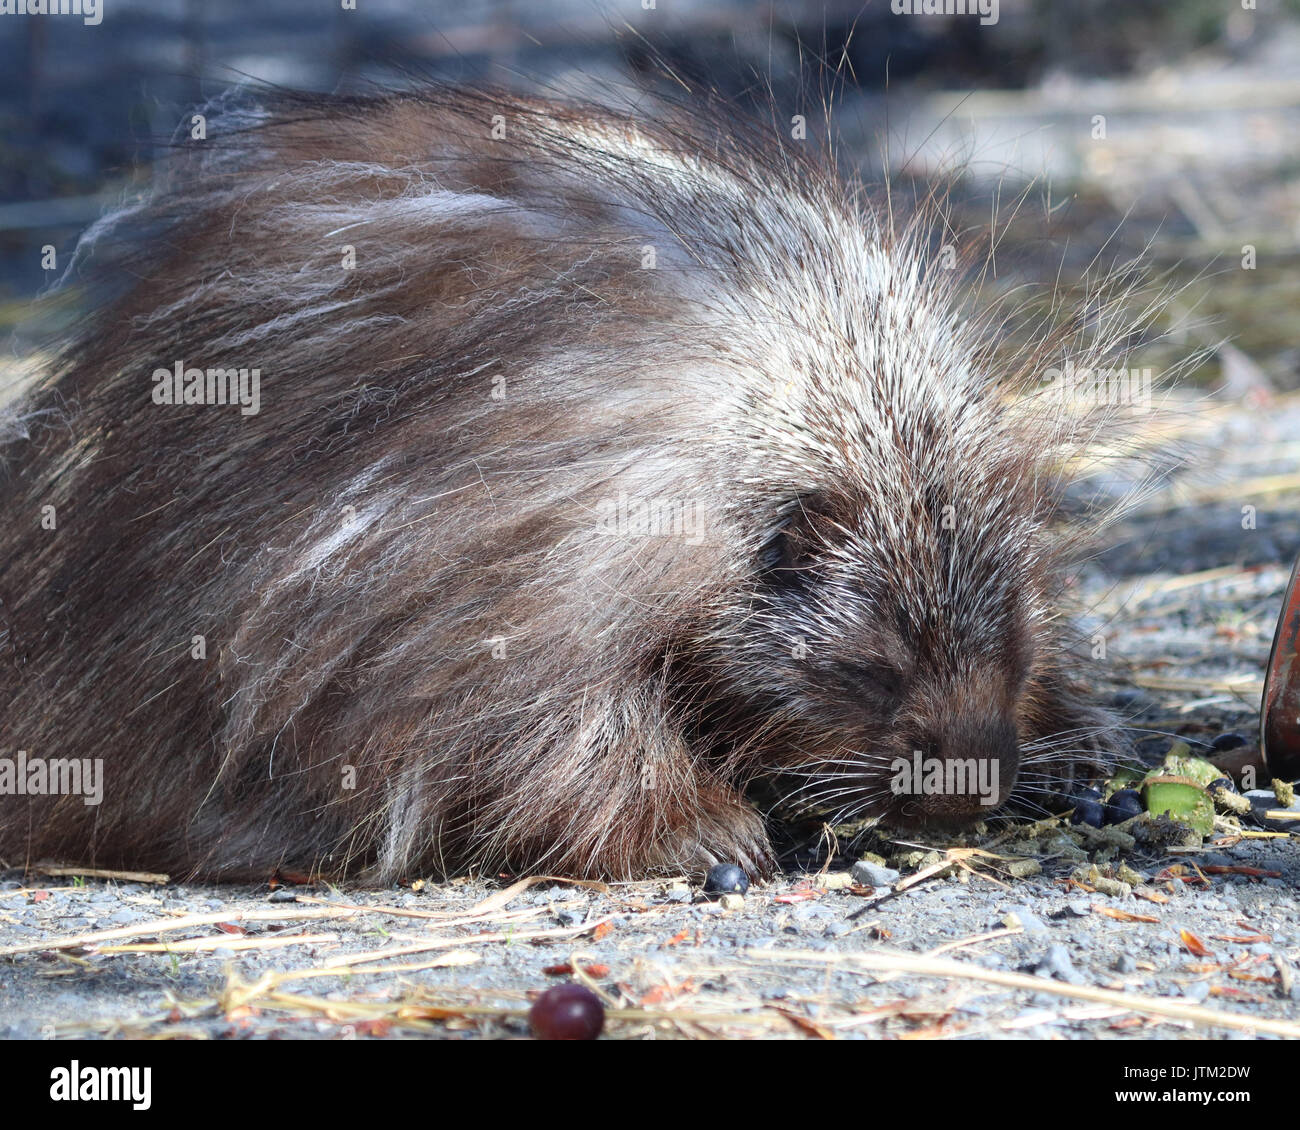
x=420, y=655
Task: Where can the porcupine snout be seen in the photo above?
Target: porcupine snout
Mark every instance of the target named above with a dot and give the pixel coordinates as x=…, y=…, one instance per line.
x=960, y=768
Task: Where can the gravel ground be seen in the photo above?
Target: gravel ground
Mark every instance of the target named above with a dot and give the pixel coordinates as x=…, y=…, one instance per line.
x=1206, y=944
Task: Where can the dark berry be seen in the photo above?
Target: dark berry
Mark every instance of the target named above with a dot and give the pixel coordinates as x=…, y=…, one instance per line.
x=567, y=1012
x=1088, y=811
x=726, y=879
x=1151, y=749
x=1123, y=805
x=1229, y=741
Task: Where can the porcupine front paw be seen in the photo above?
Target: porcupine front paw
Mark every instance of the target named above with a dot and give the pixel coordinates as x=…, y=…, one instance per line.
x=727, y=830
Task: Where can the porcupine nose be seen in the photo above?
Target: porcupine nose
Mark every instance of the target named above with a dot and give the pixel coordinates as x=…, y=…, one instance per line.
x=957, y=774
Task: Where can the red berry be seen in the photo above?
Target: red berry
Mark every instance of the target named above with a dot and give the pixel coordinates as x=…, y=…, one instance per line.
x=567, y=1012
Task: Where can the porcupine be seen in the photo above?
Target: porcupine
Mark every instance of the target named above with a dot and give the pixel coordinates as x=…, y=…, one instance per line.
x=603, y=466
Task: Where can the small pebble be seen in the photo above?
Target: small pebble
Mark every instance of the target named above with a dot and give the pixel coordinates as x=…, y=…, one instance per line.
x=1056, y=963
x=1026, y=919
x=870, y=874
x=732, y=902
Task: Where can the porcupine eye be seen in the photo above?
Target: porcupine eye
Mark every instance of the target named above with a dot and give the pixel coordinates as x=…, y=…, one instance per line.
x=878, y=680
x=776, y=560
x=790, y=553
x=787, y=556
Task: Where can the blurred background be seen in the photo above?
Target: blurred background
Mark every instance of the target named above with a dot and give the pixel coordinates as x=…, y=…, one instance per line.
x=1097, y=130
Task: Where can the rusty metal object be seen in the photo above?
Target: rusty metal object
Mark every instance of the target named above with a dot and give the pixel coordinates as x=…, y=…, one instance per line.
x=1279, y=731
